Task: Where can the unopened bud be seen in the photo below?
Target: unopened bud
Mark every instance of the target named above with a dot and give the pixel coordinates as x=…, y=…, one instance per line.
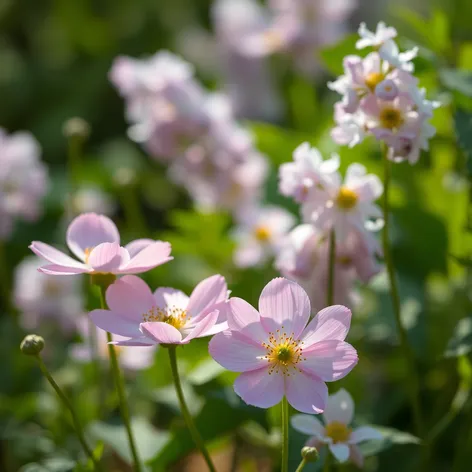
x=310, y=454
x=76, y=127
x=32, y=345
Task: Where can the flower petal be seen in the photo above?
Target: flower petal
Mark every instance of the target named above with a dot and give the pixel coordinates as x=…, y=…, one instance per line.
x=332, y=322
x=54, y=269
x=235, y=353
x=54, y=256
x=206, y=294
x=161, y=333
x=356, y=456
x=284, y=303
x=108, y=257
x=260, y=389
x=136, y=246
x=170, y=297
x=307, y=424
x=130, y=297
x=151, y=256
x=330, y=360
x=340, y=451
x=135, y=342
x=364, y=433
x=305, y=392
x=244, y=318
x=89, y=230
x=202, y=327
x=340, y=408
x=114, y=323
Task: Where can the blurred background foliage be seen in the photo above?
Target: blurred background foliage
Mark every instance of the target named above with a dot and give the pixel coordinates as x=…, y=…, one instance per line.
x=54, y=59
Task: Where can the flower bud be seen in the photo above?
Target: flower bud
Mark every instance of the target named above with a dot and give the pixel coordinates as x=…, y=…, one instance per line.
x=310, y=454
x=32, y=345
x=76, y=127
x=386, y=90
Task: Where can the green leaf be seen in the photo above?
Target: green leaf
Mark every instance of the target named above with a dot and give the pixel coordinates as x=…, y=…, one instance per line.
x=205, y=372
x=391, y=437
x=332, y=56
x=463, y=127
x=461, y=341
x=457, y=80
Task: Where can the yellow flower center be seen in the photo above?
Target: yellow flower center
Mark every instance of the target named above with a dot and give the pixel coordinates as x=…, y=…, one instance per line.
x=273, y=39
x=283, y=353
x=347, y=198
x=262, y=233
x=373, y=79
x=338, y=432
x=176, y=317
x=87, y=252
x=390, y=118
x=345, y=260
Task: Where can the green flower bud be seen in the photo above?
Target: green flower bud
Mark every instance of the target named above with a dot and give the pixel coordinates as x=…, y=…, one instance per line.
x=310, y=454
x=32, y=345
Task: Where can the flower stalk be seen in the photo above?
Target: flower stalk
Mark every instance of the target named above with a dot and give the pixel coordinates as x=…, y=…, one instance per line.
x=284, y=435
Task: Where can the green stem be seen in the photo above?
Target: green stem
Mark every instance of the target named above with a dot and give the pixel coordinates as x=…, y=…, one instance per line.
x=413, y=384
x=135, y=218
x=301, y=466
x=331, y=268
x=120, y=387
x=68, y=405
x=197, y=439
x=284, y=435
x=327, y=461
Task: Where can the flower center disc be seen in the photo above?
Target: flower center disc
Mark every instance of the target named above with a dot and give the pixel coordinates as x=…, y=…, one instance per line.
x=391, y=118
x=262, y=233
x=338, y=432
x=373, y=79
x=283, y=353
x=346, y=198
x=176, y=317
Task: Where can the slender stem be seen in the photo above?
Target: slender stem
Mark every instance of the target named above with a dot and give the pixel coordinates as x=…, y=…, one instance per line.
x=413, y=384
x=75, y=419
x=327, y=461
x=301, y=466
x=120, y=387
x=331, y=268
x=284, y=435
x=197, y=439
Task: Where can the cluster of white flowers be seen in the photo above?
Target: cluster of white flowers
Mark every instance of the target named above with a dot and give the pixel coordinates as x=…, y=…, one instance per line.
x=381, y=97
x=330, y=204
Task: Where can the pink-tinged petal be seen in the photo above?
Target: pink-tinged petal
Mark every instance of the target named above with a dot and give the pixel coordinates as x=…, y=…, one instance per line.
x=332, y=322
x=170, y=297
x=161, y=333
x=89, y=230
x=306, y=393
x=284, y=303
x=114, y=323
x=260, y=389
x=364, y=433
x=206, y=294
x=53, y=269
x=203, y=327
x=340, y=408
x=153, y=255
x=108, y=257
x=54, y=256
x=135, y=342
x=308, y=424
x=130, y=297
x=340, y=451
x=244, y=318
x=356, y=456
x=136, y=246
x=137, y=359
x=235, y=353
x=330, y=360
x=218, y=328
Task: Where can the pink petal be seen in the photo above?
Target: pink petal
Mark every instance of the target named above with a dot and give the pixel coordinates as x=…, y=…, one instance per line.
x=135, y=342
x=170, y=297
x=340, y=408
x=54, y=256
x=364, y=433
x=53, y=269
x=332, y=322
x=161, y=333
x=305, y=392
x=260, y=389
x=153, y=255
x=330, y=360
x=114, y=323
x=136, y=246
x=130, y=297
x=307, y=424
x=235, y=353
x=356, y=456
x=340, y=451
x=89, y=230
x=108, y=257
x=284, y=303
x=202, y=327
x=244, y=318
x=206, y=294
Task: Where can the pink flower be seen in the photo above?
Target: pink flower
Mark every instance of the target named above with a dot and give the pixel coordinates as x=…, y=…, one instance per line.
x=335, y=433
x=382, y=34
x=259, y=234
x=279, y=354
x=166, y=317
x=130, y=358
x=95, y=241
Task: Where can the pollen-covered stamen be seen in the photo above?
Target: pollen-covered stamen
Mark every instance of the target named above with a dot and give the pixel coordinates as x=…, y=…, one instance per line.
x=262, y=233
x=283, y=353
x=87, y=253
x=338, y=432
x=391, y=118
x=177, y=317
x=346, y=198
x=373, y=79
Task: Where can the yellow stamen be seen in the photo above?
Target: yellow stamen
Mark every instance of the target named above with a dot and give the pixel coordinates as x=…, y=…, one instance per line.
x=87, y=252
x=373, y=79
x=346, y=199
x=262, y=233
x=345, y=260
x=390, y=118
x=338, y=432
x=176, y=317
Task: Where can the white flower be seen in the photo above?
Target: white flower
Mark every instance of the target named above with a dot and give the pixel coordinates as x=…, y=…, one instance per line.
x=368, y=38
x=390, y=52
